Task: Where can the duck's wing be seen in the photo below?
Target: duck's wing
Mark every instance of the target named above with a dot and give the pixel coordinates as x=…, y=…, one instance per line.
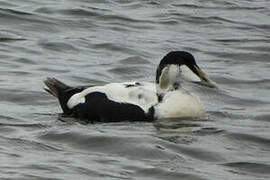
x=142, y=94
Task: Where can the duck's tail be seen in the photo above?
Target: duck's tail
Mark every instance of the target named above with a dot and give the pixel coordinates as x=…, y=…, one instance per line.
x=61, y=91
x=55, y=87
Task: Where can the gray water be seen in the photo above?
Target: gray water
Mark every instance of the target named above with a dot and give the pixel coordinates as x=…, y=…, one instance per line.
x=101, y=41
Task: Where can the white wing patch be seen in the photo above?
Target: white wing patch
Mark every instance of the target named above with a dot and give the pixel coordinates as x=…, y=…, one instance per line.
x=75, y=100
x=143, y=95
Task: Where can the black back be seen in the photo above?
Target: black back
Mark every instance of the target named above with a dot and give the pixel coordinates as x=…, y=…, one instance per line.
x=176, y=58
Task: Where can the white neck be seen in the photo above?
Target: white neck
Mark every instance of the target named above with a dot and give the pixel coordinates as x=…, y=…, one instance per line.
x=172, y=77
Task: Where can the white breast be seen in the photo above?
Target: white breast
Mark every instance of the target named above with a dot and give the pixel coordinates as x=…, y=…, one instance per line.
x=179, y=103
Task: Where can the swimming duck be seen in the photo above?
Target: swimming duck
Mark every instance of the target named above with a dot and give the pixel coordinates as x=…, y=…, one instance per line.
x=137, y=101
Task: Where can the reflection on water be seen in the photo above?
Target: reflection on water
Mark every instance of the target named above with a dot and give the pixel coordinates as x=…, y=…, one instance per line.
x=96, y=42
x=176, y=129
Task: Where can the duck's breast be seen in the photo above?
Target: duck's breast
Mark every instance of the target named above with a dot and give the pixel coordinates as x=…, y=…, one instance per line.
x=179, y=104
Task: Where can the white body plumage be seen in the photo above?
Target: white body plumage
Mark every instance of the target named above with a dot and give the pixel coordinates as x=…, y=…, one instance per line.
x=178, y=103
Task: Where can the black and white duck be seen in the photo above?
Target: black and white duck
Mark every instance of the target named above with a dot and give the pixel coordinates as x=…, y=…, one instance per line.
x=137, y=101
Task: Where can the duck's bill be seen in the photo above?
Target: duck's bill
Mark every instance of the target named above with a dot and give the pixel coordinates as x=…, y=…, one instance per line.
x=205, y=80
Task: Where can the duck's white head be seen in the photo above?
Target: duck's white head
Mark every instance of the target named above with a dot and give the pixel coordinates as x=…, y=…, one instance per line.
x=177, y=67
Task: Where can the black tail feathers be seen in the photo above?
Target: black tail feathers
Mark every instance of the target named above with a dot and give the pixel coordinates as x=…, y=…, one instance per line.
x=55, y=86
x=61, y=91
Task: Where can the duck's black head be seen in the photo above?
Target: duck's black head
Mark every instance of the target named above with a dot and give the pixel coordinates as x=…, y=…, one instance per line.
x=179, y=66
x=176, y=58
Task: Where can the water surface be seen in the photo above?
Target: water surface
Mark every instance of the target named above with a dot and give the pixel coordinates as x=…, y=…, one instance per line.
x=96, y=42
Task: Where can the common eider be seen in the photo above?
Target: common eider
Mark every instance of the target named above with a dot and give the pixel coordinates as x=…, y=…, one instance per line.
x=137, y=101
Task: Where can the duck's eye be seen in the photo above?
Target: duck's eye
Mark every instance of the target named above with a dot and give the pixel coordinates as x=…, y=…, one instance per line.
x=176, y=85
x=160, y=97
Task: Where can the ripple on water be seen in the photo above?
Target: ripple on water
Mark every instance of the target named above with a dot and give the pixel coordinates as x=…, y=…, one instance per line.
x=134, y=60
x=53, y=70
x=16, y=17
x=127, y=71
x=22, y=97
x=159, y=173
x=25, y=61
x=20, y=144
x=58, y=46
x=250, y=167
x=251, y=140
x=6, y=36
x=127, y=146
x=263, y=117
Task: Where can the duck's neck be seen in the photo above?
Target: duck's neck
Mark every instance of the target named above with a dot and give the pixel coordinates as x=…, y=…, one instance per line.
x=161, y=90
x=167, y=80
